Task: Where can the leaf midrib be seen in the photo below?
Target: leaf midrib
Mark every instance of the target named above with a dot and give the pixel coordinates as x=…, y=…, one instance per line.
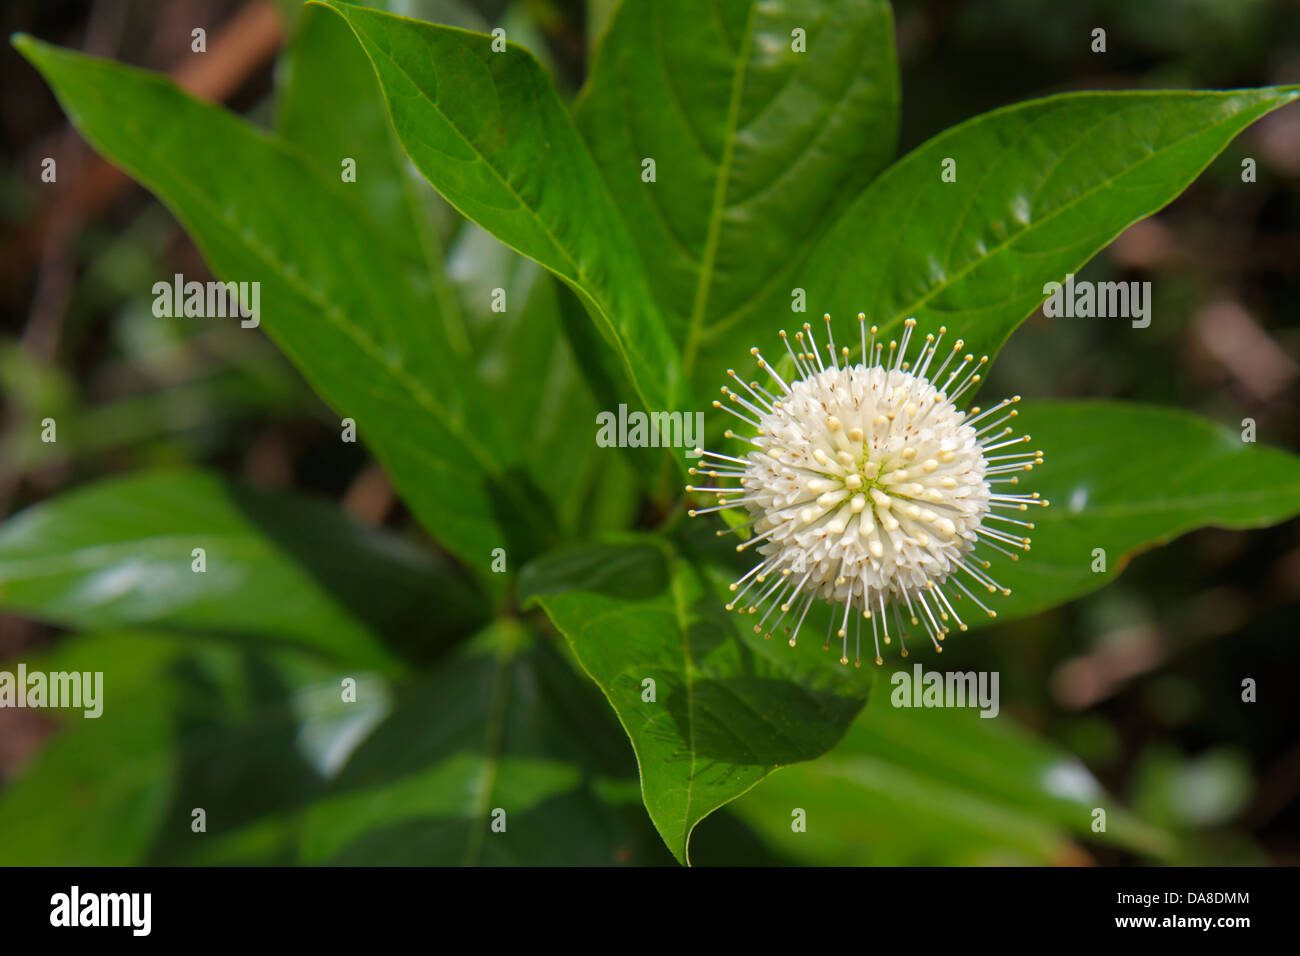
x=996, y=250
x=1142, y=508
x=688, y=678
x=494, y=740
x=728, y=321
x=704, y=284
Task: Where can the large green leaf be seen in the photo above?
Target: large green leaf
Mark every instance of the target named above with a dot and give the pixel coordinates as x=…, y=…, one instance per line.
x=503, y=756
x=488, y=130
x=933, y=786
x=347, y=308
x=278, y=568
x=1124, y=477
x=758, y=146
x=728, y=707
x=1041, y=187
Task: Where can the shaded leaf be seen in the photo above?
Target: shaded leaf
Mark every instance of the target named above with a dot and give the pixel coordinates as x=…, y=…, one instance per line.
x=185, y=724
x=502, y=756
x=288, y=773
x=536, y=387
x=933, y=786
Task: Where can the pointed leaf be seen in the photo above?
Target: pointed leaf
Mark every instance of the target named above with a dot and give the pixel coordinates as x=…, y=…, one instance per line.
x=1124, y=477
x=711, y=708
x=487, y=129
x=358, y=321
x=1040, y=188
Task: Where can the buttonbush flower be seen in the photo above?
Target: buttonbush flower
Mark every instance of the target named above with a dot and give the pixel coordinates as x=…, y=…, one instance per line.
x=868, y=488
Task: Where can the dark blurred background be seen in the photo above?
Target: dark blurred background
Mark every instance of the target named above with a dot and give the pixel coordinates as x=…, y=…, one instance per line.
x=1140, y=680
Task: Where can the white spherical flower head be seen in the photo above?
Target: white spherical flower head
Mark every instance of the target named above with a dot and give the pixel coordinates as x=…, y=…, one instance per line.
x=868, y=487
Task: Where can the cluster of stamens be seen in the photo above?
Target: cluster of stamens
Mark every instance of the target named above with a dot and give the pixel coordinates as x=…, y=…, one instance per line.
x=867, y=487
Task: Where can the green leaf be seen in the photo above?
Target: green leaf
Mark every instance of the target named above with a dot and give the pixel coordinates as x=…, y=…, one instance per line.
x=757, y=146
x=936, y=787
x=503, y=756
x=1041, y=187
x=727, y=706
x=289, y=773
x=1125, y=477
x=330, y=106
x=536, y=387
x=489, y=132
x=344, y=306
x=54, y=810
x=278, y=568
x=185, y=723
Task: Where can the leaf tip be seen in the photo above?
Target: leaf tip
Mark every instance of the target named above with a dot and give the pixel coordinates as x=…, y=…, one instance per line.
x=36, y=51
x=22, y=42
x=342, y=9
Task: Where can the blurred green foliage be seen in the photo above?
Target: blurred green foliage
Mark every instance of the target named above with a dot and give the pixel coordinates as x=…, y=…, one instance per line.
x=228, y=698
